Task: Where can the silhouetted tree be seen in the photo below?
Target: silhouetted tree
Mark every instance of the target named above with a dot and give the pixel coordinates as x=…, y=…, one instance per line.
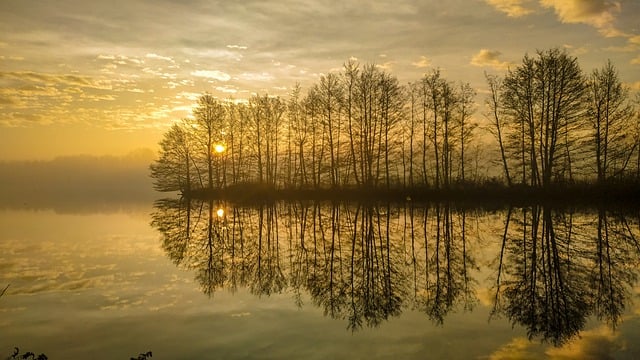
x=175, y=166
x=210, y=123
x=496, y=115
x=544, y=102
x=610, y=116
x=466, y=127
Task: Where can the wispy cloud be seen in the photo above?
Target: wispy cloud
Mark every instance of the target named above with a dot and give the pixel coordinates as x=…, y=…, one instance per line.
x=251, y=76
x=576, y=51
x=513, y=8
x=597, y=13
x=159, y=57
x=226, y=89
x=489, y=58
x=518, y=348
x=238, y=47
x=52, y=79
x=423, y=62
x=387, y=65
x=212, y=74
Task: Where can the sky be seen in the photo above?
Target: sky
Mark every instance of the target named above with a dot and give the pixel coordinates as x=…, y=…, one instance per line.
x=109, y=77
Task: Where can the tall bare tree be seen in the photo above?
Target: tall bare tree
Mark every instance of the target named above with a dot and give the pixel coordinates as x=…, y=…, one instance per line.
x=210, y=120
x=495, y=114
x=466, y=108
x=610, y=116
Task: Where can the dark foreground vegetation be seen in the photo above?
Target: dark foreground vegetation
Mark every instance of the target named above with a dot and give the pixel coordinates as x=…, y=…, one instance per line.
x=548, y=130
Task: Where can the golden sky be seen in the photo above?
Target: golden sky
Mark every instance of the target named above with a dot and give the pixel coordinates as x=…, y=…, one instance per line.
x=107, y=77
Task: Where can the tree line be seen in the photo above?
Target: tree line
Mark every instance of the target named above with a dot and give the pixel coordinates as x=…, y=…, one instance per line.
x=360, y=128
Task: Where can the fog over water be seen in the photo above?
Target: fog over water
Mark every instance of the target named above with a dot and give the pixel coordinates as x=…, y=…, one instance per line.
x=77, y=183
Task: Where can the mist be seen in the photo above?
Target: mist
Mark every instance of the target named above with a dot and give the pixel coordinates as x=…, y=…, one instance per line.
x=78, y=183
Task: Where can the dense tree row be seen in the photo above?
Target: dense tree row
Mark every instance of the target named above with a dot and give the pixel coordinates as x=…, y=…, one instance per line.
x=361, y=128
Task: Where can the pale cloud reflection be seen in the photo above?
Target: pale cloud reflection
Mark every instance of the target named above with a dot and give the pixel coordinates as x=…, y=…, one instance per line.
x=518, y=348
x=597, y=344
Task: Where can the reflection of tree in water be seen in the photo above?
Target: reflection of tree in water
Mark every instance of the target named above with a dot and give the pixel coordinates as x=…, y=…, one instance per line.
x=553, y=272
x=265, y=262
x=366, y=263
x=194, y=237
x=446, y=263
x=614, y=258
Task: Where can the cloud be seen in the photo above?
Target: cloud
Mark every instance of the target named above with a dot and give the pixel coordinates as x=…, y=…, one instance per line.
x=513, y=8
x=489, y=58
x=14, y=58
x=422, y=63
x=599, y=343
x=597, y=13
x=52, y=79
x=218, y=54
x=576, y=51
x=226, y=89
x=264, y=76
x=191, y=96
x=387, y=66
x=516, y=349
x=636, y=60
x=159, y=57
x=238, y=47
x=600, y=14
x=212, y=74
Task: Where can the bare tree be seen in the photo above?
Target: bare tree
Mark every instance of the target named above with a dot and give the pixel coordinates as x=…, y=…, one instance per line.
x=175, y=166
x=330, y=95
x=465, y=109
x=610, y=114
x=494, y=104
x=209, y=116
x=543, y=99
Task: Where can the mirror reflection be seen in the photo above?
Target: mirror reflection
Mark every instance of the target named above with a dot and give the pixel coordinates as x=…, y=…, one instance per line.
x=547, y=270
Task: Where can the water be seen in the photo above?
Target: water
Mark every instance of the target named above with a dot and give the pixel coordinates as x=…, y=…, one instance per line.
x=307, y=280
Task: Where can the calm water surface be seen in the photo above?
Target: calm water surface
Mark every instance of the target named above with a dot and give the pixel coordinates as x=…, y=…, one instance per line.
x=304, y=280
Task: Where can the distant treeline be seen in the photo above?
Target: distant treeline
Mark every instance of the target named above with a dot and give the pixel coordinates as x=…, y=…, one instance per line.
x=77, y=183
x=550, y=124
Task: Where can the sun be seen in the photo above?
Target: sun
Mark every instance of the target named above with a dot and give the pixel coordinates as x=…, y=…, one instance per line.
x=219, y=148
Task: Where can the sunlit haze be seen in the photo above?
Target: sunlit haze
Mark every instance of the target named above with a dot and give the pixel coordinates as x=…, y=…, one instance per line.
x=106, y=78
